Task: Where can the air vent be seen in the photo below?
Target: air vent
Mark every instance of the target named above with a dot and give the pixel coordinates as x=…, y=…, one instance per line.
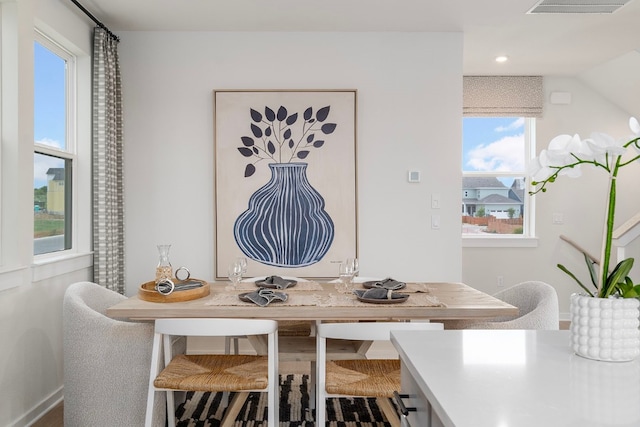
x=577, y=6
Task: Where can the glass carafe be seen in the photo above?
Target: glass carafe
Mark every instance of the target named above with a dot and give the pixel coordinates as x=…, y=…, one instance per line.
x=163, y=270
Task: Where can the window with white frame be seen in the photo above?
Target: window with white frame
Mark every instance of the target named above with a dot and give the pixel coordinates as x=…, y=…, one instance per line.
x=54, y=146
x=496, y=153
x=498, y=136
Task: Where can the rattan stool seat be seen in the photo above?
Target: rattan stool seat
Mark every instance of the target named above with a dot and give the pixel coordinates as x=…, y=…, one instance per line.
x=205, y=372
x=363, y=377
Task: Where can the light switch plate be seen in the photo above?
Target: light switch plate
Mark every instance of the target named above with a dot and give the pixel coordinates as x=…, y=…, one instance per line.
x=435, y=201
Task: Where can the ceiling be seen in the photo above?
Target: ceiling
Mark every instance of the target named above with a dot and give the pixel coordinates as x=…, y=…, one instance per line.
x=537, y=44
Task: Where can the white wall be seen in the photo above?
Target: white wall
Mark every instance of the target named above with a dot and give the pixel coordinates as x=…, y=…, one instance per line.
x=581, y=201
x=31, y=291
x=408, y=118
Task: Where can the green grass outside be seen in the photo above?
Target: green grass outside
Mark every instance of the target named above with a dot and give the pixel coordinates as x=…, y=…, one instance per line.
x=47, y=225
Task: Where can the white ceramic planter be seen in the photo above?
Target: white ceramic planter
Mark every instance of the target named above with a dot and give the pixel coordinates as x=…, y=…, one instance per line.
x=605, y=328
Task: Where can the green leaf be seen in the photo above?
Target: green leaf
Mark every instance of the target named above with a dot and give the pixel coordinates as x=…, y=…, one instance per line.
x=617, y=276
x=592, y=271
x=563, y=268
x=633, y=292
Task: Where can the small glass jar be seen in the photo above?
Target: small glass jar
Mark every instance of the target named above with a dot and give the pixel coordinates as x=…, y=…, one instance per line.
x=163, y=270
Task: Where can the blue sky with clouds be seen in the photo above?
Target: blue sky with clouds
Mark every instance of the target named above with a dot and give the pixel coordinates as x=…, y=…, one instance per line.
x=493, y=144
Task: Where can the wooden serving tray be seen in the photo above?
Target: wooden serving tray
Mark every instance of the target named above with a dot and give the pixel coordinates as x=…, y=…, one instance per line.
x=147, y=292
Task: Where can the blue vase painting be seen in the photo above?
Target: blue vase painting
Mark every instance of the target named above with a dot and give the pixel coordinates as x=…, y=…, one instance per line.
x=285, y=224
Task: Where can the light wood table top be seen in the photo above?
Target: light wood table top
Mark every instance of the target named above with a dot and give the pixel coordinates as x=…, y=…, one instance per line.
x=325, y=301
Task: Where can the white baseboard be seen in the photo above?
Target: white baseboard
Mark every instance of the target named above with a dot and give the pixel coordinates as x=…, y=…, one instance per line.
x=38, y=411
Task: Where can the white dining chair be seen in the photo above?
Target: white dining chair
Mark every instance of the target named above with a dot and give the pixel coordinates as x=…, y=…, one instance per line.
x=360, y=377
x=214, y=372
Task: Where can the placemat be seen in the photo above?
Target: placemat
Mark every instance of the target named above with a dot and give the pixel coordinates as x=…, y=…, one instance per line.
x=251, y=286
x=350, y=300
x=411, y=288
x=299, y=299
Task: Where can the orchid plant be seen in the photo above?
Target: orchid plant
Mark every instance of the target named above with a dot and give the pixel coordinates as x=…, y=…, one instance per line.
x=281, y=137
x=565, y=155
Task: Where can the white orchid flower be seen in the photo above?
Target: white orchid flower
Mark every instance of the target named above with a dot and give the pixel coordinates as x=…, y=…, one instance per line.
x=603, y=144
x=571, y=145
x=550, y=161
x=634, y=126
x=537, y=172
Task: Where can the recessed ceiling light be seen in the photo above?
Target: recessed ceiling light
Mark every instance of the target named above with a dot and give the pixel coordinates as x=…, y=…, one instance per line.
x=502, y=58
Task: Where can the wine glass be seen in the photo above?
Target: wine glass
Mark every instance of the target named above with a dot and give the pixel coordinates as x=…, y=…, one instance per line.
x=243, y=264
x=345, y=273
x=235, y=272
x=355, y=266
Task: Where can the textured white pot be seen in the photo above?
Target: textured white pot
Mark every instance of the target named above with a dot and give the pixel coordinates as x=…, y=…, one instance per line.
x=605, y=328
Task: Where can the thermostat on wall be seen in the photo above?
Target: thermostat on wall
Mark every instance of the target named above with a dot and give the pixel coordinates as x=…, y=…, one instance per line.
x=414, y=176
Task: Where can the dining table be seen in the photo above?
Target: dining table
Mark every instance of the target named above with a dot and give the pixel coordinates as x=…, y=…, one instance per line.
x=324, y=301
x=319, y=301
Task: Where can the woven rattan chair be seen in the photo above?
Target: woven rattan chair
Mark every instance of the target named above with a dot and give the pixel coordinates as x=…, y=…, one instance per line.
x=214, y=372
x=362, y=377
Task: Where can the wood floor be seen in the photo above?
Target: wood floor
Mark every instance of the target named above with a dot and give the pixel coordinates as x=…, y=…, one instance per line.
x=53, y=418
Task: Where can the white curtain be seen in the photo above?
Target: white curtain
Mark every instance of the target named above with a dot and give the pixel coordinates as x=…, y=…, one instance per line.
x=108, y=191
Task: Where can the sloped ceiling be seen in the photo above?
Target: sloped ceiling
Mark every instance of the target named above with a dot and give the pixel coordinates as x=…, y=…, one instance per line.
x=617, y=80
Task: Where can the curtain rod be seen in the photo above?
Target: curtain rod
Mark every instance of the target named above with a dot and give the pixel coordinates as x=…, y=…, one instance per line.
x=94, y=19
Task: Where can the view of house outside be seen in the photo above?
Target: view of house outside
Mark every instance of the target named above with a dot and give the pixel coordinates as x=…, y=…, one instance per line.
x=493, y=184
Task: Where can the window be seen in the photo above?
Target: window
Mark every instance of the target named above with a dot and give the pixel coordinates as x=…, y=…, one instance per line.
x=496, y=153
x=54, y=147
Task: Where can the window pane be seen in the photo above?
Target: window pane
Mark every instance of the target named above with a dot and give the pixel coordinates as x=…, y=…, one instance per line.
x=51, y=204
x=49, y=98
x=494, y=163
x=493, y=205
x=52, y=194
x=493, y=144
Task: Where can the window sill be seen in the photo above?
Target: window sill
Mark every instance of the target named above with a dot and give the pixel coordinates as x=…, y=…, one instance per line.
x=46, y=268
x=499, y=242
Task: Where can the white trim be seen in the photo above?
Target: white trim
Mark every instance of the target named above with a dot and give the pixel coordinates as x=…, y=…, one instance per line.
x=37, y=412
x=14, y=277
x=504, y=241
x=55, y=266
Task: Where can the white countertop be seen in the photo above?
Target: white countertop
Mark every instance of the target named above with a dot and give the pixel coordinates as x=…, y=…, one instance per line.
x=507, y=378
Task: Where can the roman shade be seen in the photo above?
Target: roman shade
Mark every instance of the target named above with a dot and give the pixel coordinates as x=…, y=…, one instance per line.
x=503, y=96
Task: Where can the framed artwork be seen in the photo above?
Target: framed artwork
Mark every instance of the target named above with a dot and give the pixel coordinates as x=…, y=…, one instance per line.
x=285, y=171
